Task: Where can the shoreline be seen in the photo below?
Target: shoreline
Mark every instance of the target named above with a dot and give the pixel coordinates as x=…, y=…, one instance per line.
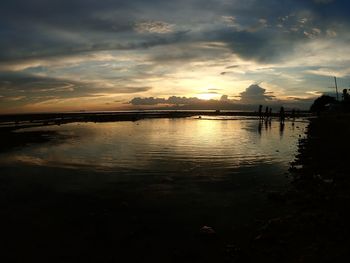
x=314, y=225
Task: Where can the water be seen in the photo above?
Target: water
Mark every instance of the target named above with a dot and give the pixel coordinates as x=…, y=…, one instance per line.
x=101, y=191
x=163, y=147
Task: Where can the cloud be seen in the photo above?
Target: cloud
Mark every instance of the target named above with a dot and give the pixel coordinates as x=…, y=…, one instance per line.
x=224, y=98
x=233, y=66
x=323, y=1
x=173, y=100
x=55, y=46
x=255, y=94
x=14, y=82
x=31, y=88
x=158, y=27
x=131, y=89
x=330, y=72
x=250, y=100
x=39, y=29
x=14, y=98
x=147, y=101
x=231, y=21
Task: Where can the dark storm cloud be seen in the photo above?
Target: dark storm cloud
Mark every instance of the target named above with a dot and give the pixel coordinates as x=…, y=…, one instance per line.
x=259, y=46
x=46, y=47
x=36, y=29
x=43, y=28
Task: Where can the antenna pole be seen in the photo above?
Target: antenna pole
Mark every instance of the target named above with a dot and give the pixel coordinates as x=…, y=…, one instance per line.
x=336, y=87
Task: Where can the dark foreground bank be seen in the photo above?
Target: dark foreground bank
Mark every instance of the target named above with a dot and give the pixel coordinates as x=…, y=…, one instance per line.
x=315, y=225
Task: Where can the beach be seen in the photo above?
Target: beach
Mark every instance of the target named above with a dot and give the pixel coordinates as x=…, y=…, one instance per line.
x=62, y=209
x=174, y=131
x=314, y=226
x=159, y=189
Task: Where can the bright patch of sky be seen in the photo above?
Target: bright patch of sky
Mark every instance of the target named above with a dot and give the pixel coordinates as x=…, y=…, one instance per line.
x=100, y=55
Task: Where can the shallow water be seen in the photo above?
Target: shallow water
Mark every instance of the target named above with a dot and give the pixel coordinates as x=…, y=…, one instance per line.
x=167, y=147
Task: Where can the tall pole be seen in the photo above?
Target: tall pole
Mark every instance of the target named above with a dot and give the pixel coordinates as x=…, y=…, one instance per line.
x=336, y=87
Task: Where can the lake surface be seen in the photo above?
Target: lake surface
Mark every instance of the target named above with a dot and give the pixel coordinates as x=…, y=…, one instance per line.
x=159, y=178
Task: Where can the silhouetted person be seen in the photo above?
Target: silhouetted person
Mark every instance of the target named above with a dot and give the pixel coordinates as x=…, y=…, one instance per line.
x=282, y=115
x=293, y=115
x=346, y=96
x=260, y=112
x=266, y=113
x=270, y=113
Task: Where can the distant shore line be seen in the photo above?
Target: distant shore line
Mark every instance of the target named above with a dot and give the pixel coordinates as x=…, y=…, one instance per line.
x=16, y=121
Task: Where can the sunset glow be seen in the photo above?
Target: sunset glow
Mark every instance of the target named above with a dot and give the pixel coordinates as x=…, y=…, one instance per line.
x=104, y=56
x=207, y=96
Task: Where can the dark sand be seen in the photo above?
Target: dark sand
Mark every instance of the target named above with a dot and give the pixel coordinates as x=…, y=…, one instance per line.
x=315, y=225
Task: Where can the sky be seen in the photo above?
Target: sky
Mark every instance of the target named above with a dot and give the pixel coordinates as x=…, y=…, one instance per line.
x=72, y=55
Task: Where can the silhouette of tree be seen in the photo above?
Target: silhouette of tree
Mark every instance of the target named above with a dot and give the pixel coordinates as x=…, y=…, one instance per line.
x=321, y=102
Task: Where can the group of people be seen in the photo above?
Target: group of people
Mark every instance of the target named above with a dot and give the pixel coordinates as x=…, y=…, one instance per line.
x=268, y=114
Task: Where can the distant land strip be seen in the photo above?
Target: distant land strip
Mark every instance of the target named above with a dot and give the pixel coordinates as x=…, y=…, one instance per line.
x=17, y=121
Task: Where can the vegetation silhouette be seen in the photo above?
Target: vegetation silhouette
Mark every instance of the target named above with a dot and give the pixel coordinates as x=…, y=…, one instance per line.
x=321, y=103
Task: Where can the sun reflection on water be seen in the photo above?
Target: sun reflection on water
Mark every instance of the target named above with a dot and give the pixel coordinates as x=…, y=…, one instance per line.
x=166, y=146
